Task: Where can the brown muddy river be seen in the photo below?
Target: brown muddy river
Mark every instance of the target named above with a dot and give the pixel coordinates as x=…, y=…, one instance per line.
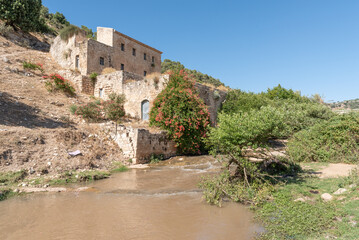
x=162, y=202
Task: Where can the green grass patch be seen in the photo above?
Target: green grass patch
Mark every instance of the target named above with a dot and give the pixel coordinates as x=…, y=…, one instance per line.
x=74, y=177
x=8, y=178
x=7, y=193
x=156, y=158
x=119, y=167
x=285, y=218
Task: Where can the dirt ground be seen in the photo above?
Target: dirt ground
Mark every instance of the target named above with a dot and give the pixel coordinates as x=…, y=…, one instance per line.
x=331, y=170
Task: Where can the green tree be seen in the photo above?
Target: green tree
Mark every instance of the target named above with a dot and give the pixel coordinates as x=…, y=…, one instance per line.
x=24, y=14
x=89, y=32
x=60, y=18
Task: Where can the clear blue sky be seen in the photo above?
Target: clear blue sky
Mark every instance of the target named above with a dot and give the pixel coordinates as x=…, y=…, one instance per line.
x=306, y=45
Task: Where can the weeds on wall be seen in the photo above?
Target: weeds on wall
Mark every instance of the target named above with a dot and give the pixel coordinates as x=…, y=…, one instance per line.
x=93, y=77
x=67, y=32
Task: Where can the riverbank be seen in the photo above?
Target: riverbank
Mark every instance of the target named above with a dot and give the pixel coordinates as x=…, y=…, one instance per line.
x=16, y=183
x=313, y=205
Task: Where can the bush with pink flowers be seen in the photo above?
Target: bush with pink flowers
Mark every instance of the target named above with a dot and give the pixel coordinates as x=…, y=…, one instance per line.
x=55, y=82
x=179, y=110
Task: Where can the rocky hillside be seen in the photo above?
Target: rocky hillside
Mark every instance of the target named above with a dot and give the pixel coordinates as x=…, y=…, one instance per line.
x=347, y=104
x=36, y=128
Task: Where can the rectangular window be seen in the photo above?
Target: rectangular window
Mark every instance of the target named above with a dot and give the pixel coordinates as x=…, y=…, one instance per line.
x=122, y=47
x=102, y=61
x=144, y=73
x=122, y=66
x=144, y=56
x=77, y=60
x=100, y=93
x=153, y=59
x=134, y=51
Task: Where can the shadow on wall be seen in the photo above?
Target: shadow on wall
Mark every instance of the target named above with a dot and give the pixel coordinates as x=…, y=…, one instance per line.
x=15, y=113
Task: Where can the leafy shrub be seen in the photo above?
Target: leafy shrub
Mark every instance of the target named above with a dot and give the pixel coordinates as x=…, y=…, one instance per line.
x=69, y=31
x=89, y=33
x=219, y=187
x=239, y=101
x=91, y=112
x=239, y=130
x=60, y=18
x=55, y=82
x=297, y=116
x=281, y=93
x=113, y=108
x=73, y=108
x=334, y=140
x=33, y=66
x=93, y=77
x=154, y=158
x=5, y=29
x=179, y=110
x=98, y=110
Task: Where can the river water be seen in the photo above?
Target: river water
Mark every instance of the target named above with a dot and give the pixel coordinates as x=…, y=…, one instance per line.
x=161, y=202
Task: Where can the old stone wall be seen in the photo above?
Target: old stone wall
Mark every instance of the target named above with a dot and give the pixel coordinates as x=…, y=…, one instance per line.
x=213, y=98
x=138, y=91
x=107, y=84
x=134, y=56
x=153, y=143
x=95, y=51
x=75, y=78
x=88, y=86
x=65, y=52
x=138, y=143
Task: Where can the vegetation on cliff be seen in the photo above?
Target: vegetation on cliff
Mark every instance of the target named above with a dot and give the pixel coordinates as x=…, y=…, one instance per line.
x=168, y=65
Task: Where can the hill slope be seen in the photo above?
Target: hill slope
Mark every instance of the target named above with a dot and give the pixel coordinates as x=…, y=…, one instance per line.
x=36, y=128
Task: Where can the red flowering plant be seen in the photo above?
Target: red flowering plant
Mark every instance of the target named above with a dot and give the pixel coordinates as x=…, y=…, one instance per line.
x=56, y=82
x=179, y=110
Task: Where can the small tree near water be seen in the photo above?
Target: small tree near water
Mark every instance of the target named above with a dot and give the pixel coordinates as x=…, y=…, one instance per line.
x=179, y=110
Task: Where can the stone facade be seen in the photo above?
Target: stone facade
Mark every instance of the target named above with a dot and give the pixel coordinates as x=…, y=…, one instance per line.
x=135, y=88
x=112, y=49
x=139, y=144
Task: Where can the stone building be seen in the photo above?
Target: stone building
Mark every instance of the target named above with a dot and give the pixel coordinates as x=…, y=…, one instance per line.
x=112, y=49
x=136, y=75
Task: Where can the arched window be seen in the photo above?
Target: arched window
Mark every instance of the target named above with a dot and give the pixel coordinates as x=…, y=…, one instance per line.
x=145, y=110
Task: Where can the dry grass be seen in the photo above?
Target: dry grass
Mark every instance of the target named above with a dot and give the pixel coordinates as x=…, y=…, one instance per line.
x=223, y=88
x=153, y=75
x=129, y=81
x=108, y=70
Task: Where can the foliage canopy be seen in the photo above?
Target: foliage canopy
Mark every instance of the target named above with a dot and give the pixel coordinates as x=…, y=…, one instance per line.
x=179, y=110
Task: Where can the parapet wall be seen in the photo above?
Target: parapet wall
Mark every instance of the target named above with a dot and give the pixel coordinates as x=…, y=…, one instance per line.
x=138, y=143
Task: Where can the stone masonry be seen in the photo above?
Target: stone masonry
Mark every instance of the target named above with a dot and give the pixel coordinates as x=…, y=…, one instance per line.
x=139, y=144
x=111, y=50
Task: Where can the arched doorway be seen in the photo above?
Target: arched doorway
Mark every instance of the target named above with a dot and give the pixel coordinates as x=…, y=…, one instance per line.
x=145, y=110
